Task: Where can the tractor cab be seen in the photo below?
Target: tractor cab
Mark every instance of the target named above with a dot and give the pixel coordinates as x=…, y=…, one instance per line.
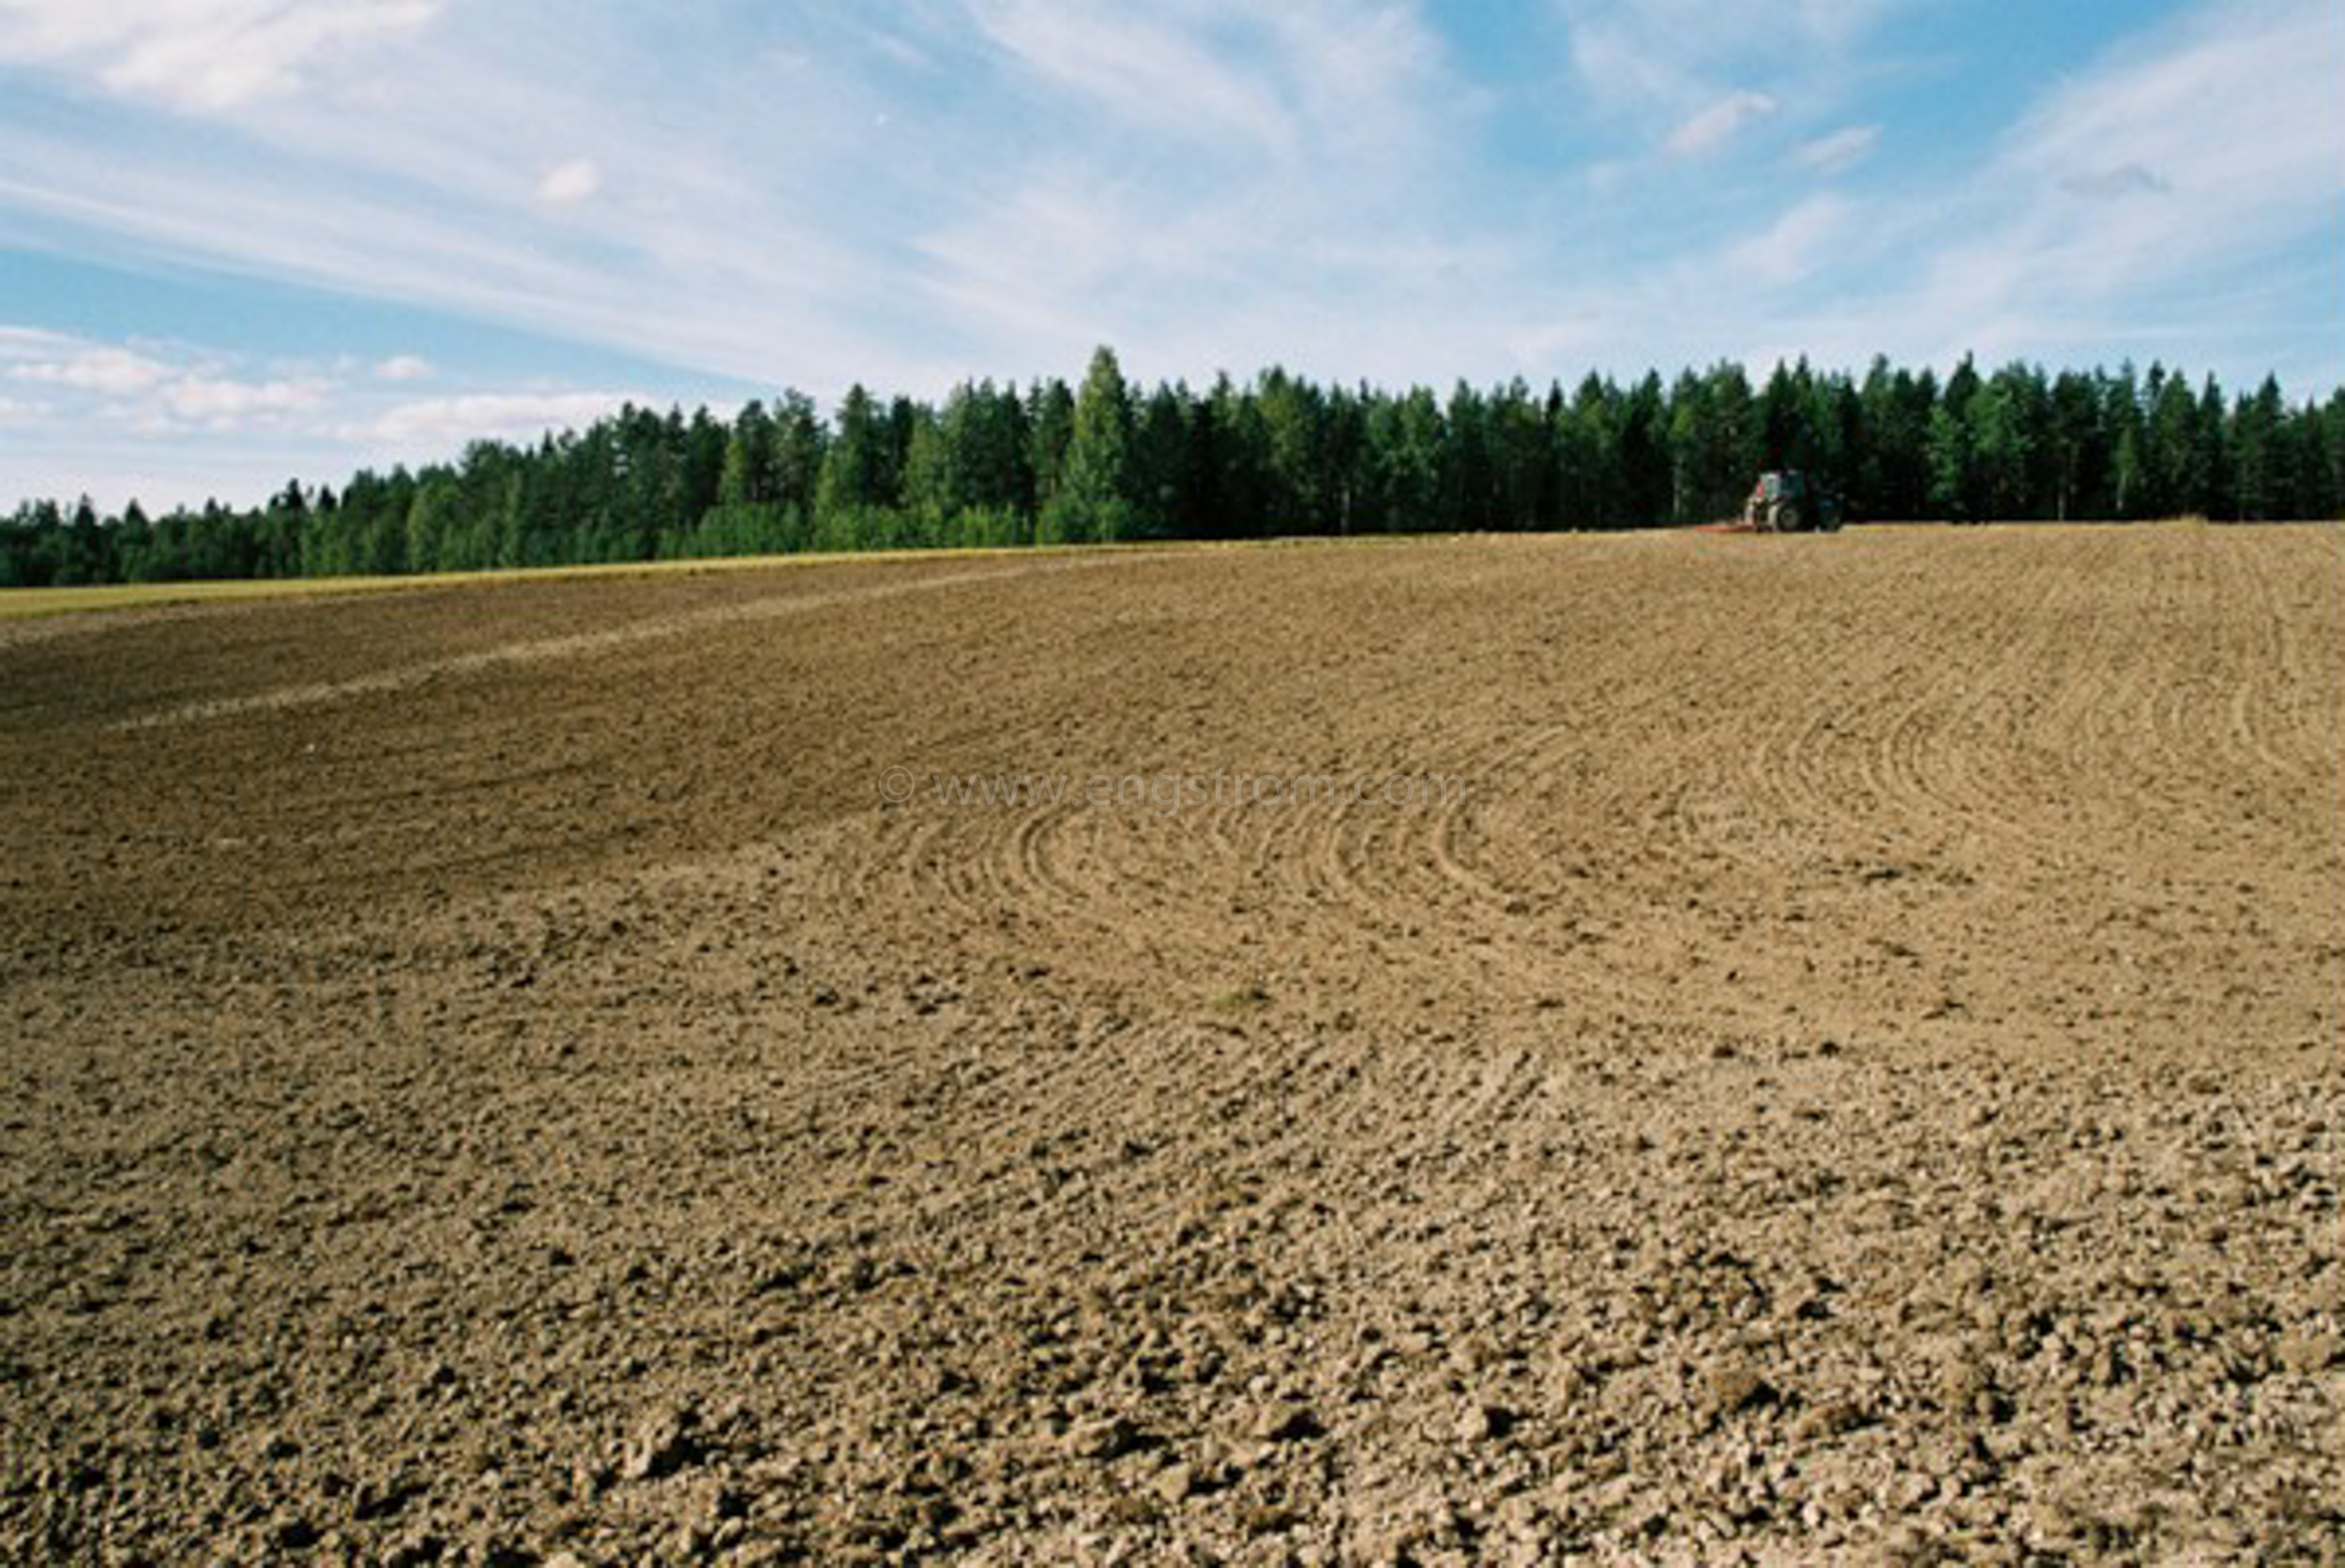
x=1790, y=501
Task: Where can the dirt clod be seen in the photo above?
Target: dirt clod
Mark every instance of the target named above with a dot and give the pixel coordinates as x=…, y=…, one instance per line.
x=663, y=1444
x=1286, y=1422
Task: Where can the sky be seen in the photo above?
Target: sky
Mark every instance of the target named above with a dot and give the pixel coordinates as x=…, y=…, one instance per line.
x=248, y=241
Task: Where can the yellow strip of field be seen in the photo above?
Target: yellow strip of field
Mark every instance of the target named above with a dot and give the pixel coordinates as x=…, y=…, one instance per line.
x=16, y=604
x=27, y=603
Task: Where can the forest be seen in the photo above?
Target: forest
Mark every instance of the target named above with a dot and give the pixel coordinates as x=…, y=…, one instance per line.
x=1106, y=460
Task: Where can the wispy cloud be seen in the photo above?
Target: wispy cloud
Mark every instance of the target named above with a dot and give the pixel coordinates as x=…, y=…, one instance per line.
x=1677, y=57
x=2110, y=184
x=87, y=368
x=1836, y=151
x=1136, y=67
x=225, y=403
x=569, y=183
x=200, y=54
x=1292, y=165
x=1795, y=247
x=754, y=231
x=1718, y=122
x=152, y=387
x=487, y=415
x=166, y=409
x=2214, y=143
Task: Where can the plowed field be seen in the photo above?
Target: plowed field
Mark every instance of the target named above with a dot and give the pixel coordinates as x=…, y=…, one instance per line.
x=1488, y=1049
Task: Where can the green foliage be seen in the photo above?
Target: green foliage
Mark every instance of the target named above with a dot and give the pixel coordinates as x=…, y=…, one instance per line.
x=1049, y=429
x=858, y=470
x=1715, y=436
x=1092, y=502
x=1000, y=465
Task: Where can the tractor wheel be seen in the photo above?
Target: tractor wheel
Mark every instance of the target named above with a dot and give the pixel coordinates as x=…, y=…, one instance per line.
x=1787, y=520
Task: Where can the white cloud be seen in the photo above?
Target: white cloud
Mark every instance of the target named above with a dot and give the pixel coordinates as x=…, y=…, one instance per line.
x=2112, y=185
x=1139, y=68
x=116, y=371
x=2178, y=197
x=1713, y=125
x=1218, y=184
x=1342, y=87
x=177, y=422
x=224, y=403
x=1795, y=247
x=567, y=184
x=150, y=387
x=482, y=416
x=2214, y=143
x=200, y=55
x=31, y=343
x=404, y=367
x=1836, y=151
x=1185, y=162
x=1638, y=57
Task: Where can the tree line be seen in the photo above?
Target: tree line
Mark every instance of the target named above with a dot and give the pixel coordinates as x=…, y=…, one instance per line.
x=1046, y=463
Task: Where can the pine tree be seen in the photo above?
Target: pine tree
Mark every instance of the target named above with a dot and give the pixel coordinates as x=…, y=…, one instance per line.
x=1644, y=454
x=1050, y=427
x=1954, y=492
x=2258, y=485
x=1093, y=501
x=857, y=471
x=1999, y=445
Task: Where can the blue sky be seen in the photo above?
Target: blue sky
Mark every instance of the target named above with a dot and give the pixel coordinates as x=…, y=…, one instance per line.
x=248, y=240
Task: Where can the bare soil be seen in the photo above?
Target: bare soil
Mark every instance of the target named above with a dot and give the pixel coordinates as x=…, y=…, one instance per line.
x=1851, y=1067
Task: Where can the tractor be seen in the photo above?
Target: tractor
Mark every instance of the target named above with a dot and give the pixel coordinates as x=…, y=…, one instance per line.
x=1791, y=501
